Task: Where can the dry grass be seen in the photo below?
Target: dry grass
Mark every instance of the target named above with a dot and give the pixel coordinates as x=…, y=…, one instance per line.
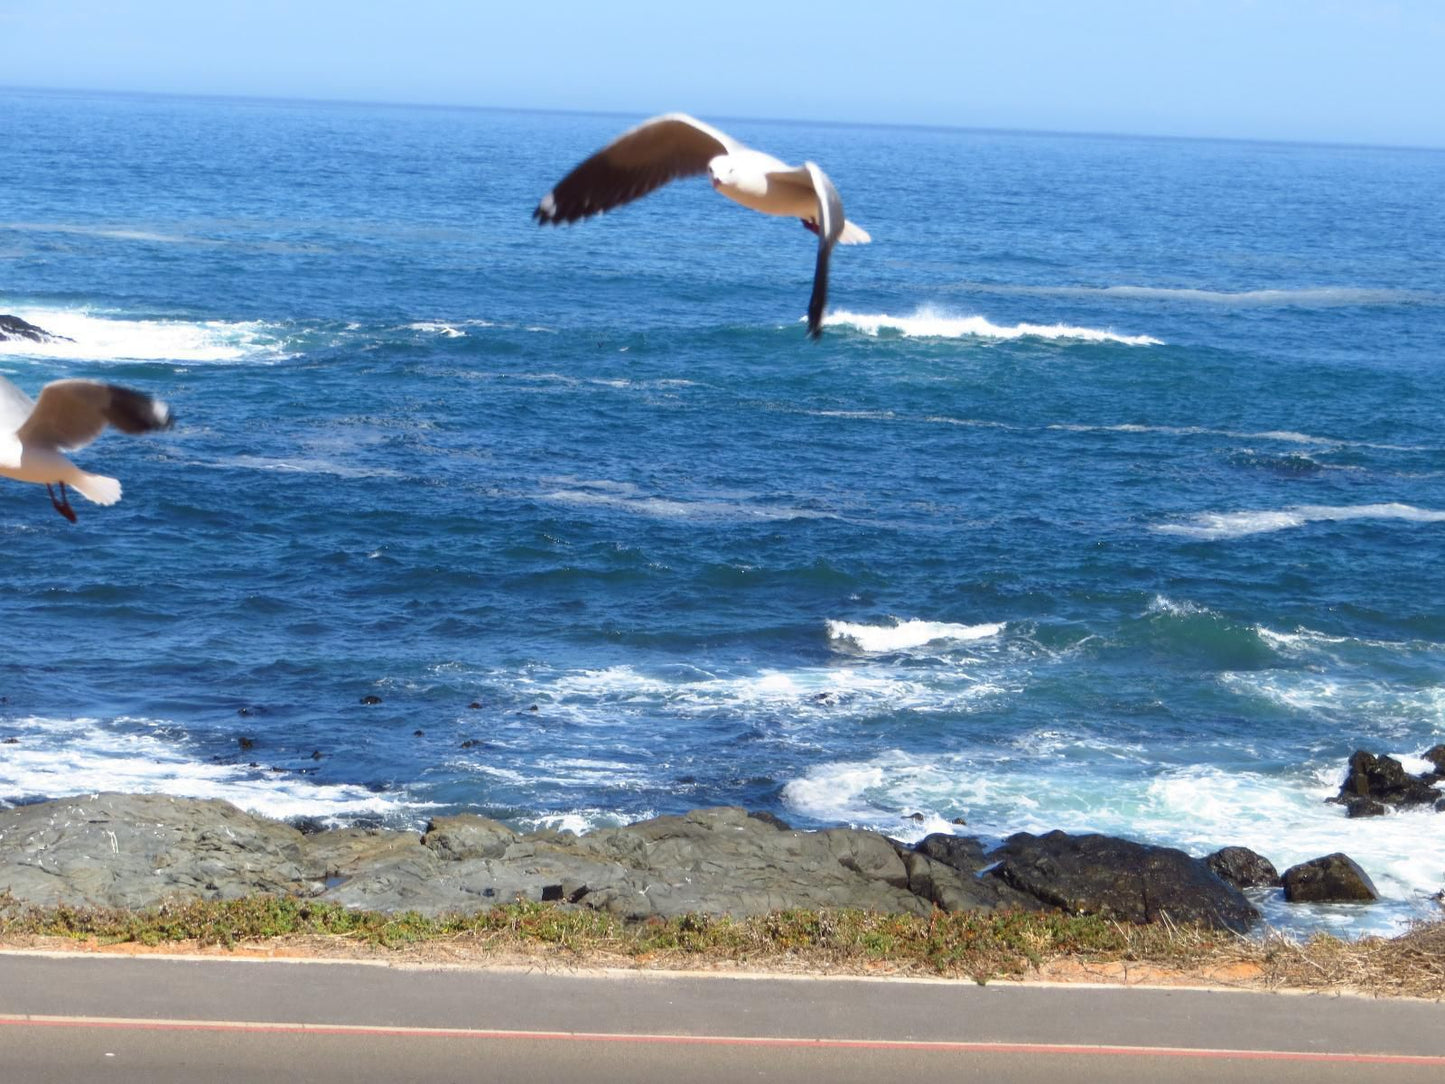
x=978, y=947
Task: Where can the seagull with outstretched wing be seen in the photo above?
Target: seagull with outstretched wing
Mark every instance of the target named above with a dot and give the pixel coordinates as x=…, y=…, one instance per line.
x=676, y=145
x=34, y=436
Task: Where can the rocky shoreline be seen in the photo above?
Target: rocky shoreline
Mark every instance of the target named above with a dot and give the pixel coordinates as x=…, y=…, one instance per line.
x=138, y=851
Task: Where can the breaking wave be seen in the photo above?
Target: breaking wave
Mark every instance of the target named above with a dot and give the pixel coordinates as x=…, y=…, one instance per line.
x=115, y=338
x=907, y=634
x=929, y=324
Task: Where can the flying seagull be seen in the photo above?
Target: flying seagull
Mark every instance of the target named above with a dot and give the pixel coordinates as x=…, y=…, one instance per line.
x=69, y=415
x=676, y=145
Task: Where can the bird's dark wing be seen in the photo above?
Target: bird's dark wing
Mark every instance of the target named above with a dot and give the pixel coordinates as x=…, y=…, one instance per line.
x=632, y=165
x=71, y=413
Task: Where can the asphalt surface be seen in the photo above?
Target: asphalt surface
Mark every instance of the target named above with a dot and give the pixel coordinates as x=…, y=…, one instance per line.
x=154, y=1020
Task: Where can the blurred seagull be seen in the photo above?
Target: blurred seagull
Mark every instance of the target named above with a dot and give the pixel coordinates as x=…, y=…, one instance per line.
x=676, y=145
x=69, y=415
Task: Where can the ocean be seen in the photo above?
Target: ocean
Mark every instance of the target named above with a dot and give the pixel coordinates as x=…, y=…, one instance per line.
x=1112, y=498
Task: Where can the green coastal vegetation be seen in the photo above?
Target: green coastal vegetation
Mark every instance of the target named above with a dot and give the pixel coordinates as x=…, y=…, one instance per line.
x=970, y=946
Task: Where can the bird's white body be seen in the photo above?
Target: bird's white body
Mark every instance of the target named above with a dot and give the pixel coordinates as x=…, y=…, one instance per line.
x=762, y=183
x=45, y=466
x=34, y=436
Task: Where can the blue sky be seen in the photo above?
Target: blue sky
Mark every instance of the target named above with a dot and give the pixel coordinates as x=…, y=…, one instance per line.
x=1355, y=71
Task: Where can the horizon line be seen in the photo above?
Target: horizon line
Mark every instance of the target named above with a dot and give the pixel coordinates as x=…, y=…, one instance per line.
x=283, y=99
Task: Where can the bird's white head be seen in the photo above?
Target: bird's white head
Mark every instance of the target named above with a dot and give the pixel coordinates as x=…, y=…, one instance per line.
x=722, y=171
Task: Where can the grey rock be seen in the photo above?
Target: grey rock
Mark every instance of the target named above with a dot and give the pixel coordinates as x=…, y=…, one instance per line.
x=1335, y=878
x=1094, y=874
x=138, y=850
x=1243, y=868
x=467, y=836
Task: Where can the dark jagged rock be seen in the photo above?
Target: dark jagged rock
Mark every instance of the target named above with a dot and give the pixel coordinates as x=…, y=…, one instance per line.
x=960, y=852
x=371, y=698
x=1243, y=868
x=1376, y=782
x=1094, y=874
x=1436, y=756
x=12, y=327
x=1335, y=878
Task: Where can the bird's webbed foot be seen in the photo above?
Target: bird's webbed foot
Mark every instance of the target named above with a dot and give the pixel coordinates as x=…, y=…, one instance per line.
x=63, y=504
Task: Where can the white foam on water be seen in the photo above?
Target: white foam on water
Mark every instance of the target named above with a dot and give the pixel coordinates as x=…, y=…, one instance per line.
x=1309, y=296
x=629, y=498
x=58, y=757
x=903, y=635
x=608, y=696
x=116, y=338
x=1162, y=604
x=931, y=324
x=1212, y=526
x=1390, y=710
x=455, y=329
x=1197, y=809
x=1283, y=436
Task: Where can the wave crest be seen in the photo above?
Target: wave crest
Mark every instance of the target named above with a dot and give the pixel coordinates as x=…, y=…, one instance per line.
x=927, y=323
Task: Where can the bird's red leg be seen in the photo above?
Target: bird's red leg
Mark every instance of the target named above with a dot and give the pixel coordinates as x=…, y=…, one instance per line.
x=63, y=505
x=809, y=225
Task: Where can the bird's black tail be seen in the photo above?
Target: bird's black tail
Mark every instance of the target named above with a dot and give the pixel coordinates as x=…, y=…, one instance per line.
x=819, y=299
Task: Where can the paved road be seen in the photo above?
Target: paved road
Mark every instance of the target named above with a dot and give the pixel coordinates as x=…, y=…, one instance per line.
x=119, y=1019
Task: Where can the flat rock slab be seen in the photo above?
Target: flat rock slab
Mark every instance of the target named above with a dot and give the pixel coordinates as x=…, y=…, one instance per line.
x=134, y=851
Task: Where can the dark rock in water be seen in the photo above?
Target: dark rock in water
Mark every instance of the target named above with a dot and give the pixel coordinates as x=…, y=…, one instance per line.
x=1355, y=806
x=1243, y=868
x=1094, y=874
x=316, y=754
x=418, y=733
x=1382, y=780
x=916, y=818
x=474, y=705
x=10, y=741
x=245, y=742
x=1335, y=878
x=12, y=327
x=958, y=820
x=371, y=698
x=1436, y=756
x=960, y=852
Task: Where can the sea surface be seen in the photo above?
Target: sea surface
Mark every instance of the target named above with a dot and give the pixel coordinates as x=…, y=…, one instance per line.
x=1112, y=498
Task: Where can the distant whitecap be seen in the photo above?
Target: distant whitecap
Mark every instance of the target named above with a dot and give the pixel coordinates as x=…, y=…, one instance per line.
x=907, y=634
x=1219, y=525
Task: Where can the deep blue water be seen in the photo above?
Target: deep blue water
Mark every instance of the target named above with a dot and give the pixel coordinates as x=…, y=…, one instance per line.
x=1112, y=498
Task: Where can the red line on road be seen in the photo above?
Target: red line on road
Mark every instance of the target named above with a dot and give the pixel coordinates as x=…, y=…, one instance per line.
x=943, y=1046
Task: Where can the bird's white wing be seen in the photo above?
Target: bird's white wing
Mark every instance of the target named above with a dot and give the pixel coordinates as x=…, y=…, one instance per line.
x=15, y=407
x=71, y=413
x=637, y=162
